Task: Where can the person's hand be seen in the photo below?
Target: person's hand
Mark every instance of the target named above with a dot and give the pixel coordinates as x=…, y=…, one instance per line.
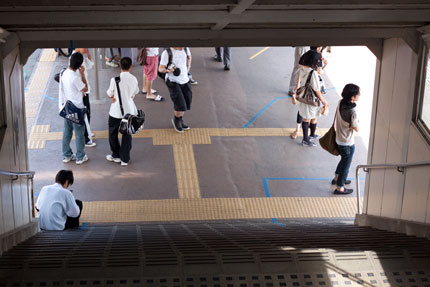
x=325, y=104
x=113, y=100
x=325, y=62
x=293, y=98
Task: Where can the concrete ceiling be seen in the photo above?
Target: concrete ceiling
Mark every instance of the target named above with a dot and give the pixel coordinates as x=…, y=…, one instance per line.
x=122, y=23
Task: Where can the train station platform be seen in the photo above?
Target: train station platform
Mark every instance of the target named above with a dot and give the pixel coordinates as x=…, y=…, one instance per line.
x=237, y=161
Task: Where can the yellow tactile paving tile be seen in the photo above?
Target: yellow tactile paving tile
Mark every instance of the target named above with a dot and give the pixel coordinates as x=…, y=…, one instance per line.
x=34, y=140
x=186, y=171
x=218, y=209
x=48, y=55
x=169, y=137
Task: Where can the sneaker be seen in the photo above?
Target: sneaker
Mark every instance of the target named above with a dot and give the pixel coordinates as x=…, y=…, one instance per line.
x=217, y=58
x=177, y=125
x=111, y=158
x=124, y=163
x=183, y=125
x=309, y=143
x=314, y=137
x=333, y=181
x=293, y=135
x=90, y=144
x=226, y=68
x=193, y=82
x=345, y=191
x=111, y=64
x=291, y=94
x=67, y=159
x=81, y=161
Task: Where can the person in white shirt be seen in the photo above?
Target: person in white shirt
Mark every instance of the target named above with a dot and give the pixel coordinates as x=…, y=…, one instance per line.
x=73, y=87
x=129, y=88
x=57, y=207
x=178, y=82
x=150, y=74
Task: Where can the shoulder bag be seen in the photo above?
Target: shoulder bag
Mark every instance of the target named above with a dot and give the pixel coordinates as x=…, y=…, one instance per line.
x=130, y=124
x=306, y=94
x=328, y=141
x=141, y=56
x=68, y=110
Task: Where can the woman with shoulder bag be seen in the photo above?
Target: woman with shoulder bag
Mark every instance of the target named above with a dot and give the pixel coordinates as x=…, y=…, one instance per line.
x=346, y=125
x=309, y=111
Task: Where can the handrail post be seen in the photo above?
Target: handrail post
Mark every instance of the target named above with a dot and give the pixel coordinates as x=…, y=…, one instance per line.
x=357, y=181
x=32, y=198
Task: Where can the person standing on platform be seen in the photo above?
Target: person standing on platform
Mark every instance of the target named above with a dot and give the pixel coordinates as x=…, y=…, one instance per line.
x=346, y=125
x=128, y=88
x=57, y=207
x=73, y=87
x=226, y=56
x=88, y=65
x=150, y=74
x=178, y=82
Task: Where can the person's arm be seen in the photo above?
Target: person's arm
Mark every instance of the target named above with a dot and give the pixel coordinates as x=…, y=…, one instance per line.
x=297, y=83
x=189, y=58
x=315, y=84
x=72, y=209
x=111, y=90
x=84, y=80
x=354, y=122
x=163, y=62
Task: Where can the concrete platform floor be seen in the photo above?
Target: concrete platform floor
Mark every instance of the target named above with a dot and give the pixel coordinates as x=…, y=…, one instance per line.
x=224, y=163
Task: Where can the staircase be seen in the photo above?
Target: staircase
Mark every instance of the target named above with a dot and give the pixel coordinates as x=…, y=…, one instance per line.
x=252, y=253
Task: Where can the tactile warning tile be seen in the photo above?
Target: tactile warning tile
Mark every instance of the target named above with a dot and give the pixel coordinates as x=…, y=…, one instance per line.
x=218, y=209
x=170, y=137
x=38, y=84
x=186, y=171
x=37, y=139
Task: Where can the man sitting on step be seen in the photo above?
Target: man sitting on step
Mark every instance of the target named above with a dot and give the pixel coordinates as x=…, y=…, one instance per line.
x=57, y=207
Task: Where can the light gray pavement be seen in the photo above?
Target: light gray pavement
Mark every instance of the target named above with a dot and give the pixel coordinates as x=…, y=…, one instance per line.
x=229, y=167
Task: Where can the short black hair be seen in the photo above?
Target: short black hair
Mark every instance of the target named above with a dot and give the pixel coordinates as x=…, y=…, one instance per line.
x=125, y=63
x=310, y=59
x=76, y=61
x=349, y=91
x=64, y=175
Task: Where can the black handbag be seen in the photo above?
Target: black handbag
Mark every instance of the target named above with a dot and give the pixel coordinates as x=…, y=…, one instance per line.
x=130, y=124
x=57, y=76
x=72, y=113
x=306, y=94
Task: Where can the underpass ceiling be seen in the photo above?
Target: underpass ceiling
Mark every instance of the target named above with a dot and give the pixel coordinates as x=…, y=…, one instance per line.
x=121, y=23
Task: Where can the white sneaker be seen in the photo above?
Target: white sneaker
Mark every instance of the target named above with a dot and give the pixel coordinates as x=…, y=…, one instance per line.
x=67, y=159
x=93, y=135
x=124, y=163
x=111, y=158
x=90, y=144
x=112, y=64
x=84, y=159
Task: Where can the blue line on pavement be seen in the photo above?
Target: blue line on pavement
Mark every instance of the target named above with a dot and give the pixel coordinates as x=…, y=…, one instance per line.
x=263, y=110
x=51, y=98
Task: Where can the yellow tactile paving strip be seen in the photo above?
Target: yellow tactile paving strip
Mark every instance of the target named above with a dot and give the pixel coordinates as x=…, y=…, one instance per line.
x=38, y=85
x=186, y=171
x=170, y=137
x=218, y=209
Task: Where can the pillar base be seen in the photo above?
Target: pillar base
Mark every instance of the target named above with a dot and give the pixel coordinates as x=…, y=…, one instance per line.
x=16, y=236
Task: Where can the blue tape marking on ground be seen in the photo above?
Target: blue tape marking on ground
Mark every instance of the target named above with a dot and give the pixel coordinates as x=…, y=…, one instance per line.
x=266, y=187
x=51, y=98
x=263, y=110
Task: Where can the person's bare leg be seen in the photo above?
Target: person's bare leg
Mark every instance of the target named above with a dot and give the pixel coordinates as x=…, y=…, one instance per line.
x=145, y=83
x=149, y=94
x=179, y=114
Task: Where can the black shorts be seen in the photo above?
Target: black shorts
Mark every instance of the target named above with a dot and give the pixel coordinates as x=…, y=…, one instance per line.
x=181, y=95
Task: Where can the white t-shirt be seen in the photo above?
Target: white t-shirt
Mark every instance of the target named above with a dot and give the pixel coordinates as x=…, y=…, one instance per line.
x=151, y=52
x=71, y=87
x=344, y=131
x=129, y=88
x=179, y=59
x=55, y=203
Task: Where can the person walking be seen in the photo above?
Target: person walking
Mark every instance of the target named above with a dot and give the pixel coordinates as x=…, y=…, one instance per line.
x=150, y=74
x=175, y=63
x=298, y=53
x=347, y=124
x=73, y=87
x=309, y=113
x=128, y=88
x=226, y=56
x=58, y=209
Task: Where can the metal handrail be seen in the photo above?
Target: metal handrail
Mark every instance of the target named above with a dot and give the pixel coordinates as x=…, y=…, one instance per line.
x=30, y=175
x=366, y=167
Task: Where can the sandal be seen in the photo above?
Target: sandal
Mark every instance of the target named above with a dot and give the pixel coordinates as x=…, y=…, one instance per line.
x=294, y=135
x=157, y=98
x=152, y=92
